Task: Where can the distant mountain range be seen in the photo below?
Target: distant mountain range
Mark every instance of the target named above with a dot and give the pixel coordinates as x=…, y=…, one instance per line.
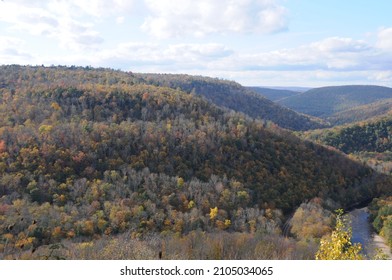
x=296, y=89
x=327, y=101
x=274, y=94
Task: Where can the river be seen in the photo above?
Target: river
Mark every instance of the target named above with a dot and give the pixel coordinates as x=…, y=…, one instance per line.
x=363, y=233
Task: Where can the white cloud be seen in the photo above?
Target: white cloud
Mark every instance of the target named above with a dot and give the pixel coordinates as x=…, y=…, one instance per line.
x=176, y=18
x=12, y=51
x=382, y=76
x=325, y=62
x=273, y=18
x=141, y=55
x=198, y=51
x=78, y=27
x=71, y=23
x=337, y=44
x=385, y=39
x=102, y=8
x=335, y=53
x=120, y=20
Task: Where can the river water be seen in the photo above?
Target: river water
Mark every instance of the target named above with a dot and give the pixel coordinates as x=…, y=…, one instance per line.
x=363, y=233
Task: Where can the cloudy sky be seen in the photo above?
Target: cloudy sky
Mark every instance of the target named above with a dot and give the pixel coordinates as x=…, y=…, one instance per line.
x=255, y=42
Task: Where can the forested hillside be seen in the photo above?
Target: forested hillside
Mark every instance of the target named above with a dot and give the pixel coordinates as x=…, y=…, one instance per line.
x=381, y=217
x=370, y=136
x=236, y=97
x=90, y=154
x=274, y=94
x=362, y=113
x=326, y=101
x=368, y=141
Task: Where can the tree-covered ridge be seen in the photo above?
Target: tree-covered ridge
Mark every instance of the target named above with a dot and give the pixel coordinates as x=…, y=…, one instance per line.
x=370, y=136
x=82, y=132
x=326, y=101
x=362, y=113
x=236, y=97
x=27, y=77
x=274, y=94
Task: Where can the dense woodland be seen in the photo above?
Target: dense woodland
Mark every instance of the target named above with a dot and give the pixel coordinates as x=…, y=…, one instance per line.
x=362, y=113
x=381, y=215
x=91, y=159
x=370, y=136
x=232, y=95
x=368, y=141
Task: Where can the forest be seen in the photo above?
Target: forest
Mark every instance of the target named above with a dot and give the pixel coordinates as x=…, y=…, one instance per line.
x=381, y=215
x=233, y=96
x=92, y=159
x=326, y=101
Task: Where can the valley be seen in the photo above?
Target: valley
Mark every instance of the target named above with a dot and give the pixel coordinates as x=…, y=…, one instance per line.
x=182, y=166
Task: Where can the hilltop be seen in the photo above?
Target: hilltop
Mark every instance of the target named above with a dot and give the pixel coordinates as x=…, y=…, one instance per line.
x=362, y=113
x=274, y=94
x=234, y=96
x=326, y=101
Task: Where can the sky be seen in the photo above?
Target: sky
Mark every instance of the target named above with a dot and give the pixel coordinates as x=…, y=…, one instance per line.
x=308, y=43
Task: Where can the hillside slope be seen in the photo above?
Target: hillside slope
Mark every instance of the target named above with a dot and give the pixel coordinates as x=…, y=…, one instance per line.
x=369, y=141
x=362, y=113
x=166, y=130
x=236, y=97
x=369, y=136
x=326, y=101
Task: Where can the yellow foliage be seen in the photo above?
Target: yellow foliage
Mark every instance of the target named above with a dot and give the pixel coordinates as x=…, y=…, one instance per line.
x=8, y=236
x=180, y=182
x=252, y=226
x=45, y=129
x=191, y=204
x=213, y=213
x=55, y=106
x=168, y=126
x=85, y=245
x=338, y=246
x=25, y=242
x=101, y=224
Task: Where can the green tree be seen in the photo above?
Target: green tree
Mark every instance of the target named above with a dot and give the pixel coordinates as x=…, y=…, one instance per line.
x=338, y=246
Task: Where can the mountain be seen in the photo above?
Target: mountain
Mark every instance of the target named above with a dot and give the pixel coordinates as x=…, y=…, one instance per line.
x=362, y=113
x=233, y=96
x=92, y=126
x=368, y=136
x=274, y=94
x=296, y=89
x=367, y=141
x=326, y=101
x=88, y=154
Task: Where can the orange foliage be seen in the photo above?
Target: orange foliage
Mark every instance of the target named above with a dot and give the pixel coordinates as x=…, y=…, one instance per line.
x=3, y=146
